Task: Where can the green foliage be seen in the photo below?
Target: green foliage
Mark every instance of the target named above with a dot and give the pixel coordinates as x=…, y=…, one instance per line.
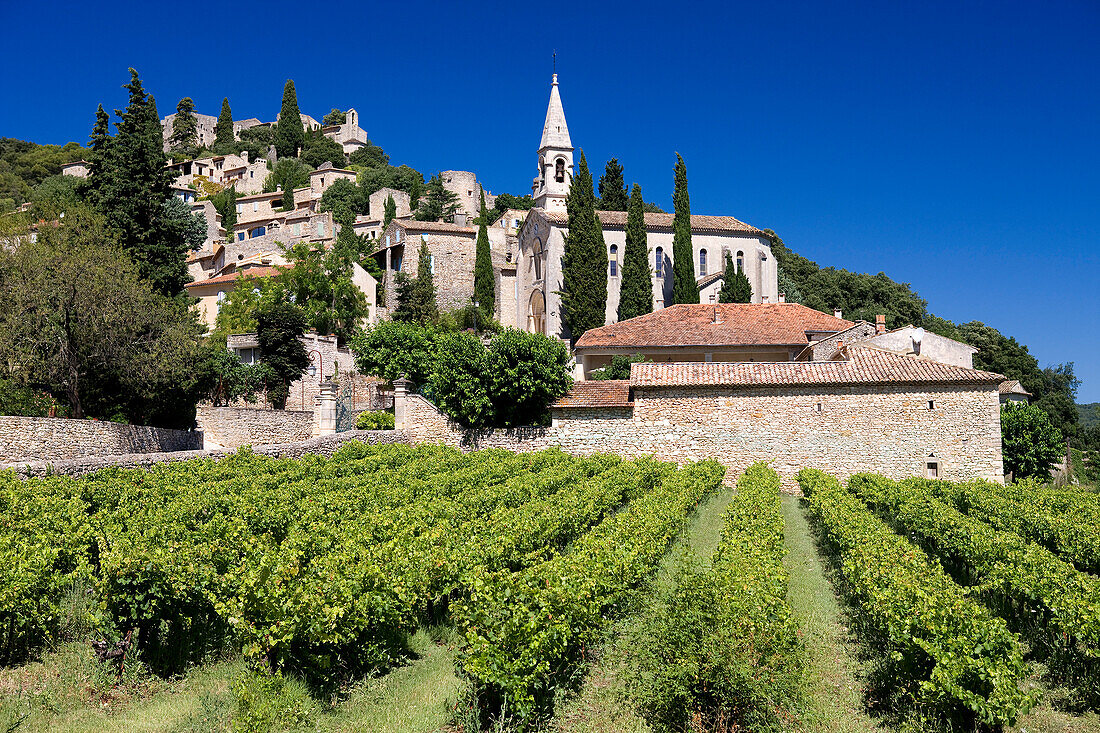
x=290, y=134
x=793, y=294
x=485, y=288
x=390, y=211
x=374, y=420
x=267, y=702
x=343, y=198
x=81, y=324
x=440, y=204
x=56, y=194
x=619, y=368
x=684, y=289
x=393, y=349
x=288, y=174
x=1031, y=444
x=225, y=141
x=237, y=313
x=24, y=165
x=226, y=379
x=319, y=149
x=525, y=373
x=723, y=651
x=370, y=156
x=416, y=295
x=225, y=202
x=279, y=326
x=319, y=281
x=636, y=290
x=584, y=260
x=937, y=648
x=612, y=188
x=17, y=399
x=179, y=223
x=257, y=141
x=403, y=178
x=184, y=141
x=459, y=379
x=736, y=287
x=335, y=117
x=505, y=201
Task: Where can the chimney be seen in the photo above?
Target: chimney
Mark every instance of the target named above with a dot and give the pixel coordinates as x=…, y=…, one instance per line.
x=782, y=297
x=460, y=218
x=880, y=324
x=837, y=313
x=763, y=299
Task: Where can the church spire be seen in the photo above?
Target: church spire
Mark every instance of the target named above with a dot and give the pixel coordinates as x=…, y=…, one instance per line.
x=555, y=133
x=551, y=186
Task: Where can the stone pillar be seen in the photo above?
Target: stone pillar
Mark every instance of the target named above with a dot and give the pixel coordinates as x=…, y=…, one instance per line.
x=401, y=388
x=324, y=418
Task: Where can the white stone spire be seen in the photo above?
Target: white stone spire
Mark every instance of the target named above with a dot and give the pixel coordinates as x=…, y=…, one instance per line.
x=555, y=157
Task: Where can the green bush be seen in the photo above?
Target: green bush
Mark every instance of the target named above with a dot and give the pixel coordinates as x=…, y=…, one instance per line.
x=1031, y=442
x=374, y=420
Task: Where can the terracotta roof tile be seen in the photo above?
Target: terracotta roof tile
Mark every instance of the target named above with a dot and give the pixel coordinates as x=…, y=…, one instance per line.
x=233, y=276
x=435, y=226
x=866, y=365
x=1012, y=386
x=597, y=393
x=699, y=223
x=741, y=324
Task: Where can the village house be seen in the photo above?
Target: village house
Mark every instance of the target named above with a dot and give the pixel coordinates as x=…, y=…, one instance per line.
x=348, y=133
x=77, y=169
x=219, y=171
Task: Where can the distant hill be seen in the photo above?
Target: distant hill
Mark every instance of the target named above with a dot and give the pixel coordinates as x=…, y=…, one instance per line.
x=23, y=165
x=1090, y=415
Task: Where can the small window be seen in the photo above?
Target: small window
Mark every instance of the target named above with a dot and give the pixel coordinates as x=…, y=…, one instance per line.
x=240, y=236
x=613, y=260
x=431, y=263
x=255, y=205
x=702, y=262
x=658, y=263
x=559, y=170
x=932, y=469
x=817, y=408
x=252, y=174
x=740, y=261
x=240, y=208
x=320, y=227
x=931, y=405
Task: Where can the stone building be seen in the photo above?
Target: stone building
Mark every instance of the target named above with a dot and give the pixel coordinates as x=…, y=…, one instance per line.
x=77, y=169
x=465, y=186
x=542, y=241
x=205, y=126
x=350, y=136
x=1011, y=390
x=219, y=171
x=212, y=291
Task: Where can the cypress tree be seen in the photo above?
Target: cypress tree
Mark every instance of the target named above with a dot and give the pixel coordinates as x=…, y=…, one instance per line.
x=224, y=140
x=636, y=291
x=485, y=292
x=100, y=142
x=416, y=295
x=584, y=259
x=684, y=287
x=736, y=287
x=391, y=211
x=290, y=135
x=185, y=129
x=613, y=187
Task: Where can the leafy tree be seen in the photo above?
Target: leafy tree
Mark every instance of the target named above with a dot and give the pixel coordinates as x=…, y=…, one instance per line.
x=485, y=289
x=133, y=187
x=1030, y=442
x=257, y=141
x=392, y=349
x=335, y=117
x=736, y=287
x=613, y=188
x=225, y=379
x=24, y=165
x=684, y=287
x=185, y=129
x=440, y=204
x=288, y=174
x=415, y=189
x=370, y=156
x=343, y=198
x=237, y=313
x=619, y=368
x=225, y=141
x=181, y=224
x=15, y=399
x=790, y=290
x=459, y=378
x=225, y=202
x=290, y=134
x=78, y=321
x=506, y=201
x=390, y=212
x=279, y=327
x=636, y=290
x=319, y=149
x=56, y=194
x=584, y=261
x=526, y=372
x=319, y=281
x=416, y=295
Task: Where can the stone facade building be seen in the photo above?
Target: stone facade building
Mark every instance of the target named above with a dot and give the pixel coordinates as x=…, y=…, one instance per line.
x=465, y=186
x=350, y=136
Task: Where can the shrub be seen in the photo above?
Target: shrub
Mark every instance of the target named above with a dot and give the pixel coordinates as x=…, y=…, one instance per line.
x=1031, y=442
x=374, y=420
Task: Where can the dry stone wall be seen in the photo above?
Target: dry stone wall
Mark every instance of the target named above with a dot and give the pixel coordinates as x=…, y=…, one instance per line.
x=232, y=427
x=55, y=438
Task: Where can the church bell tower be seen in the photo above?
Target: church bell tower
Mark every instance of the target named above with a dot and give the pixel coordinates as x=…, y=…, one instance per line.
x=555, y=157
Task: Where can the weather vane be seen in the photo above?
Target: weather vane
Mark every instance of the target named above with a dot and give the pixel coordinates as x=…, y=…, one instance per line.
x=555, y=55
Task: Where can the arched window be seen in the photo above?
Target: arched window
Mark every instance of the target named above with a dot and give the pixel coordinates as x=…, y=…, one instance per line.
x=658, y=263
x=559, y=170
x=613, y=260
x=740, y=261
x=536, y=313
x=536, y=259
x=702, y=262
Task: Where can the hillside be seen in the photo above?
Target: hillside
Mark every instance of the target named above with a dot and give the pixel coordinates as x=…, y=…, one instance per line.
x=24, y=165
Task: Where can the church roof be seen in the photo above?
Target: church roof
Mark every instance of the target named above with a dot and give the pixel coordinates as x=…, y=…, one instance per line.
x=699, y=223
x=555, y=133
x=739, y=324
x=865, y=365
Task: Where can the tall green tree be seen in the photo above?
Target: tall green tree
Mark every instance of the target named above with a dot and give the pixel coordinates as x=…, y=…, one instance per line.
x=225, y=141
x=136, y=187
x=440, y=203
x=684, y=287
x=736, y=287
x=99, y=168
x=290, y=134
x=279, y=327
x=320, y=282
x=416, y=295
x=335, y=117
x=318, y=149
x=391, y=211
x=485, y=289
x=185, y=129
x=1031, y=442
x=613, y=187
x=225, y=203
x=584, y=260
x=636, y=290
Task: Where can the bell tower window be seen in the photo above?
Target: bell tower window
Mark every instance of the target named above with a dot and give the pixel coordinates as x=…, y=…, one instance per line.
x=559, y=170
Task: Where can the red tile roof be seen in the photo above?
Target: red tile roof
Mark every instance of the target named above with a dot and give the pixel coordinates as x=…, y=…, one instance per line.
x=1012, y=386
x=233, y=276
x=434, y=226
x=699, y=223
x=740, y=324
x=597, y=393
x=866, y=365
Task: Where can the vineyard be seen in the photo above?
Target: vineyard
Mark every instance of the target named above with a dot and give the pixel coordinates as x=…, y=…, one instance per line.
x=332, y=571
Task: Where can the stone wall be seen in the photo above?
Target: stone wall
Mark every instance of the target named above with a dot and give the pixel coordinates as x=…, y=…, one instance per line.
x=841, y=430
x=324, y=446
x=55, y=438
x=232, y=427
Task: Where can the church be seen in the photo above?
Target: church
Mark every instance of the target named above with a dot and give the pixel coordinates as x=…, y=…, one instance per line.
x=541, y=242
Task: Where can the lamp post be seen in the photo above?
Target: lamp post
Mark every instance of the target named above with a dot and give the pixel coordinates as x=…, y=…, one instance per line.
x=320, y=364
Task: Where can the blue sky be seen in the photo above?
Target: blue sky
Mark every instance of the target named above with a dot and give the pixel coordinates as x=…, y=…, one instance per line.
x=953, y=146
